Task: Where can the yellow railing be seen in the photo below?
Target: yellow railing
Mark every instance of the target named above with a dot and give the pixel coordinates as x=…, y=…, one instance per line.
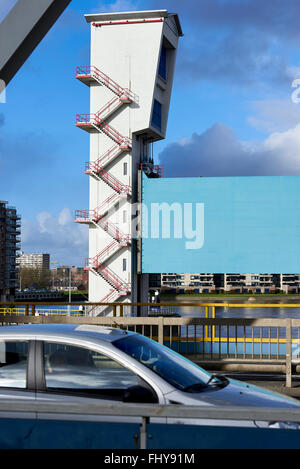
x=209, y=312
x=215, y=338
x=40, y=312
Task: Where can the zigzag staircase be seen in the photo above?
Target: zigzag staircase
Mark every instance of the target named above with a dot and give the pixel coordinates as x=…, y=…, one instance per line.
x=97, y=123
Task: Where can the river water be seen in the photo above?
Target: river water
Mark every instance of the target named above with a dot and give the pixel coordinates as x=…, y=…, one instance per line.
x=250, y=310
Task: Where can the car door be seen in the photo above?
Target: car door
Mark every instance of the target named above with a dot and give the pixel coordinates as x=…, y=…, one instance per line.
x=17, y=374
x=72, y=373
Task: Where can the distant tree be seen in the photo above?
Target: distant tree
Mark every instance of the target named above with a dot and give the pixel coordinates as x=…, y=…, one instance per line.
x=44, y=278
x=34, y=278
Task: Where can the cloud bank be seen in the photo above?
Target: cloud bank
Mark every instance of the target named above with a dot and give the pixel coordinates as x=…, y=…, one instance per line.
x=241, y=43
x=218, y=152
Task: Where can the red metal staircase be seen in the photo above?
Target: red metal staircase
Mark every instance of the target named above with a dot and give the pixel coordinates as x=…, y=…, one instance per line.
x=97, y=122
x=93, y=167
x=103, y=256
x=113, y=182
x=111, y=277
x=93, y=216
x=89, y=74
x=111, y=297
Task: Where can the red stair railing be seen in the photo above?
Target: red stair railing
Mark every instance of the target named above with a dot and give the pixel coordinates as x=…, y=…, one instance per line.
x=114, y=182
x=93, y=72
x=123, y=95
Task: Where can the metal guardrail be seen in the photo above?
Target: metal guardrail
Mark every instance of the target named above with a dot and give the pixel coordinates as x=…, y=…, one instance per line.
x=267, y=341
x=146, y=412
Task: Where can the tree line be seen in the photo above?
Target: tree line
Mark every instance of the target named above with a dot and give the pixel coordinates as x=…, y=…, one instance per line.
x=43, y=278
x=34, y=278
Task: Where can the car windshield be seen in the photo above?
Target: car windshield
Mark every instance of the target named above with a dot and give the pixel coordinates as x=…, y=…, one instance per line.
x=169, y=365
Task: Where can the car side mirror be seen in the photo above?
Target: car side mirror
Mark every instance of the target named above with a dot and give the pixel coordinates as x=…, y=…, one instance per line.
x=139, y=394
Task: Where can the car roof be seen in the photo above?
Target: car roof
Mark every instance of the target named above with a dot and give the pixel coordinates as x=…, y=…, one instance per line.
x=71, y=331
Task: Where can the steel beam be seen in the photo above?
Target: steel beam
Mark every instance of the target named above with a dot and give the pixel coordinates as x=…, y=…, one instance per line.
x=23, y=29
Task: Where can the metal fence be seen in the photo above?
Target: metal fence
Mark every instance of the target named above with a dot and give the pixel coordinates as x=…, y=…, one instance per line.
x=267, y=344
x=85, y=426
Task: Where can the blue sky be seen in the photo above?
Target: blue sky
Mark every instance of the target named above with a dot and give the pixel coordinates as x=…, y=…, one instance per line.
x=231, y=110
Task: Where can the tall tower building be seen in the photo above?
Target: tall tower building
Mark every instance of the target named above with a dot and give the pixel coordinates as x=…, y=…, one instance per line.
x=10, y=230
x=133, y=58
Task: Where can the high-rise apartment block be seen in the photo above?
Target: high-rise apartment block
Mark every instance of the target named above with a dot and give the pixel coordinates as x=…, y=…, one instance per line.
x=10, y=231
x=34, y=261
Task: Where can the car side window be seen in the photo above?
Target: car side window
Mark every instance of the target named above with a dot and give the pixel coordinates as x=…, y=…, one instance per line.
x=77, y=369
x=13, y=364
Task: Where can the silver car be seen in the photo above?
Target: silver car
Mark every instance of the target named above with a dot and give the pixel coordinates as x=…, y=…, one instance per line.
x=76, y=363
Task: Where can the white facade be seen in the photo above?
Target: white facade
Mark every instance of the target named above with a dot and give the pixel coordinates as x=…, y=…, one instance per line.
x=199, y=281
x=131, y=74
x=34, y=261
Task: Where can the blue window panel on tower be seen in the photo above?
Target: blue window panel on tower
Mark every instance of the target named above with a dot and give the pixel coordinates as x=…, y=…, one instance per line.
x=243, y=225
x=162, y=70
x=157, y=114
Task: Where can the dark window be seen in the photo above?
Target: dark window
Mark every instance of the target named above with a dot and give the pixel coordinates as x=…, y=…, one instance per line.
x=125, y=169
x=162, y=71
x=76, y=369
x=172, y=367
x=157, y=113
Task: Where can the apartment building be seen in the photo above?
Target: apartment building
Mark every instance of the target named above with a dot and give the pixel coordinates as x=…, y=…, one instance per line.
x=288, y=283
x=65, y=275
x=10, y=230
x=239, y=283
x=200, y=282
x=34, y=261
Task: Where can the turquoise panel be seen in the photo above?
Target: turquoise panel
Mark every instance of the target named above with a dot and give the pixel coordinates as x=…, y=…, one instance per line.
x=221, y=225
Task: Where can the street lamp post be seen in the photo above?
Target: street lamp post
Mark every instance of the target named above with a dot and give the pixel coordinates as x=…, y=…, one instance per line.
x=70, y=293
x=52, y=275
x=69, y=288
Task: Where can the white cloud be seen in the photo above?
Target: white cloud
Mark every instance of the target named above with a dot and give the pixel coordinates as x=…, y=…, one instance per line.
x=65, y=217
x=65, y=240
x=294, y=72
x=275, y=115
x=218, y=152
x=285, y=148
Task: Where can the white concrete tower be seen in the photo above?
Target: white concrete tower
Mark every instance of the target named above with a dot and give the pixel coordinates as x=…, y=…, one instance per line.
x=130, y=77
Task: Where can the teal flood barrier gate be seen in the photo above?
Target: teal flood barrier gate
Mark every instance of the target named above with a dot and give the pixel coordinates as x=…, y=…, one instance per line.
x=221, y=225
